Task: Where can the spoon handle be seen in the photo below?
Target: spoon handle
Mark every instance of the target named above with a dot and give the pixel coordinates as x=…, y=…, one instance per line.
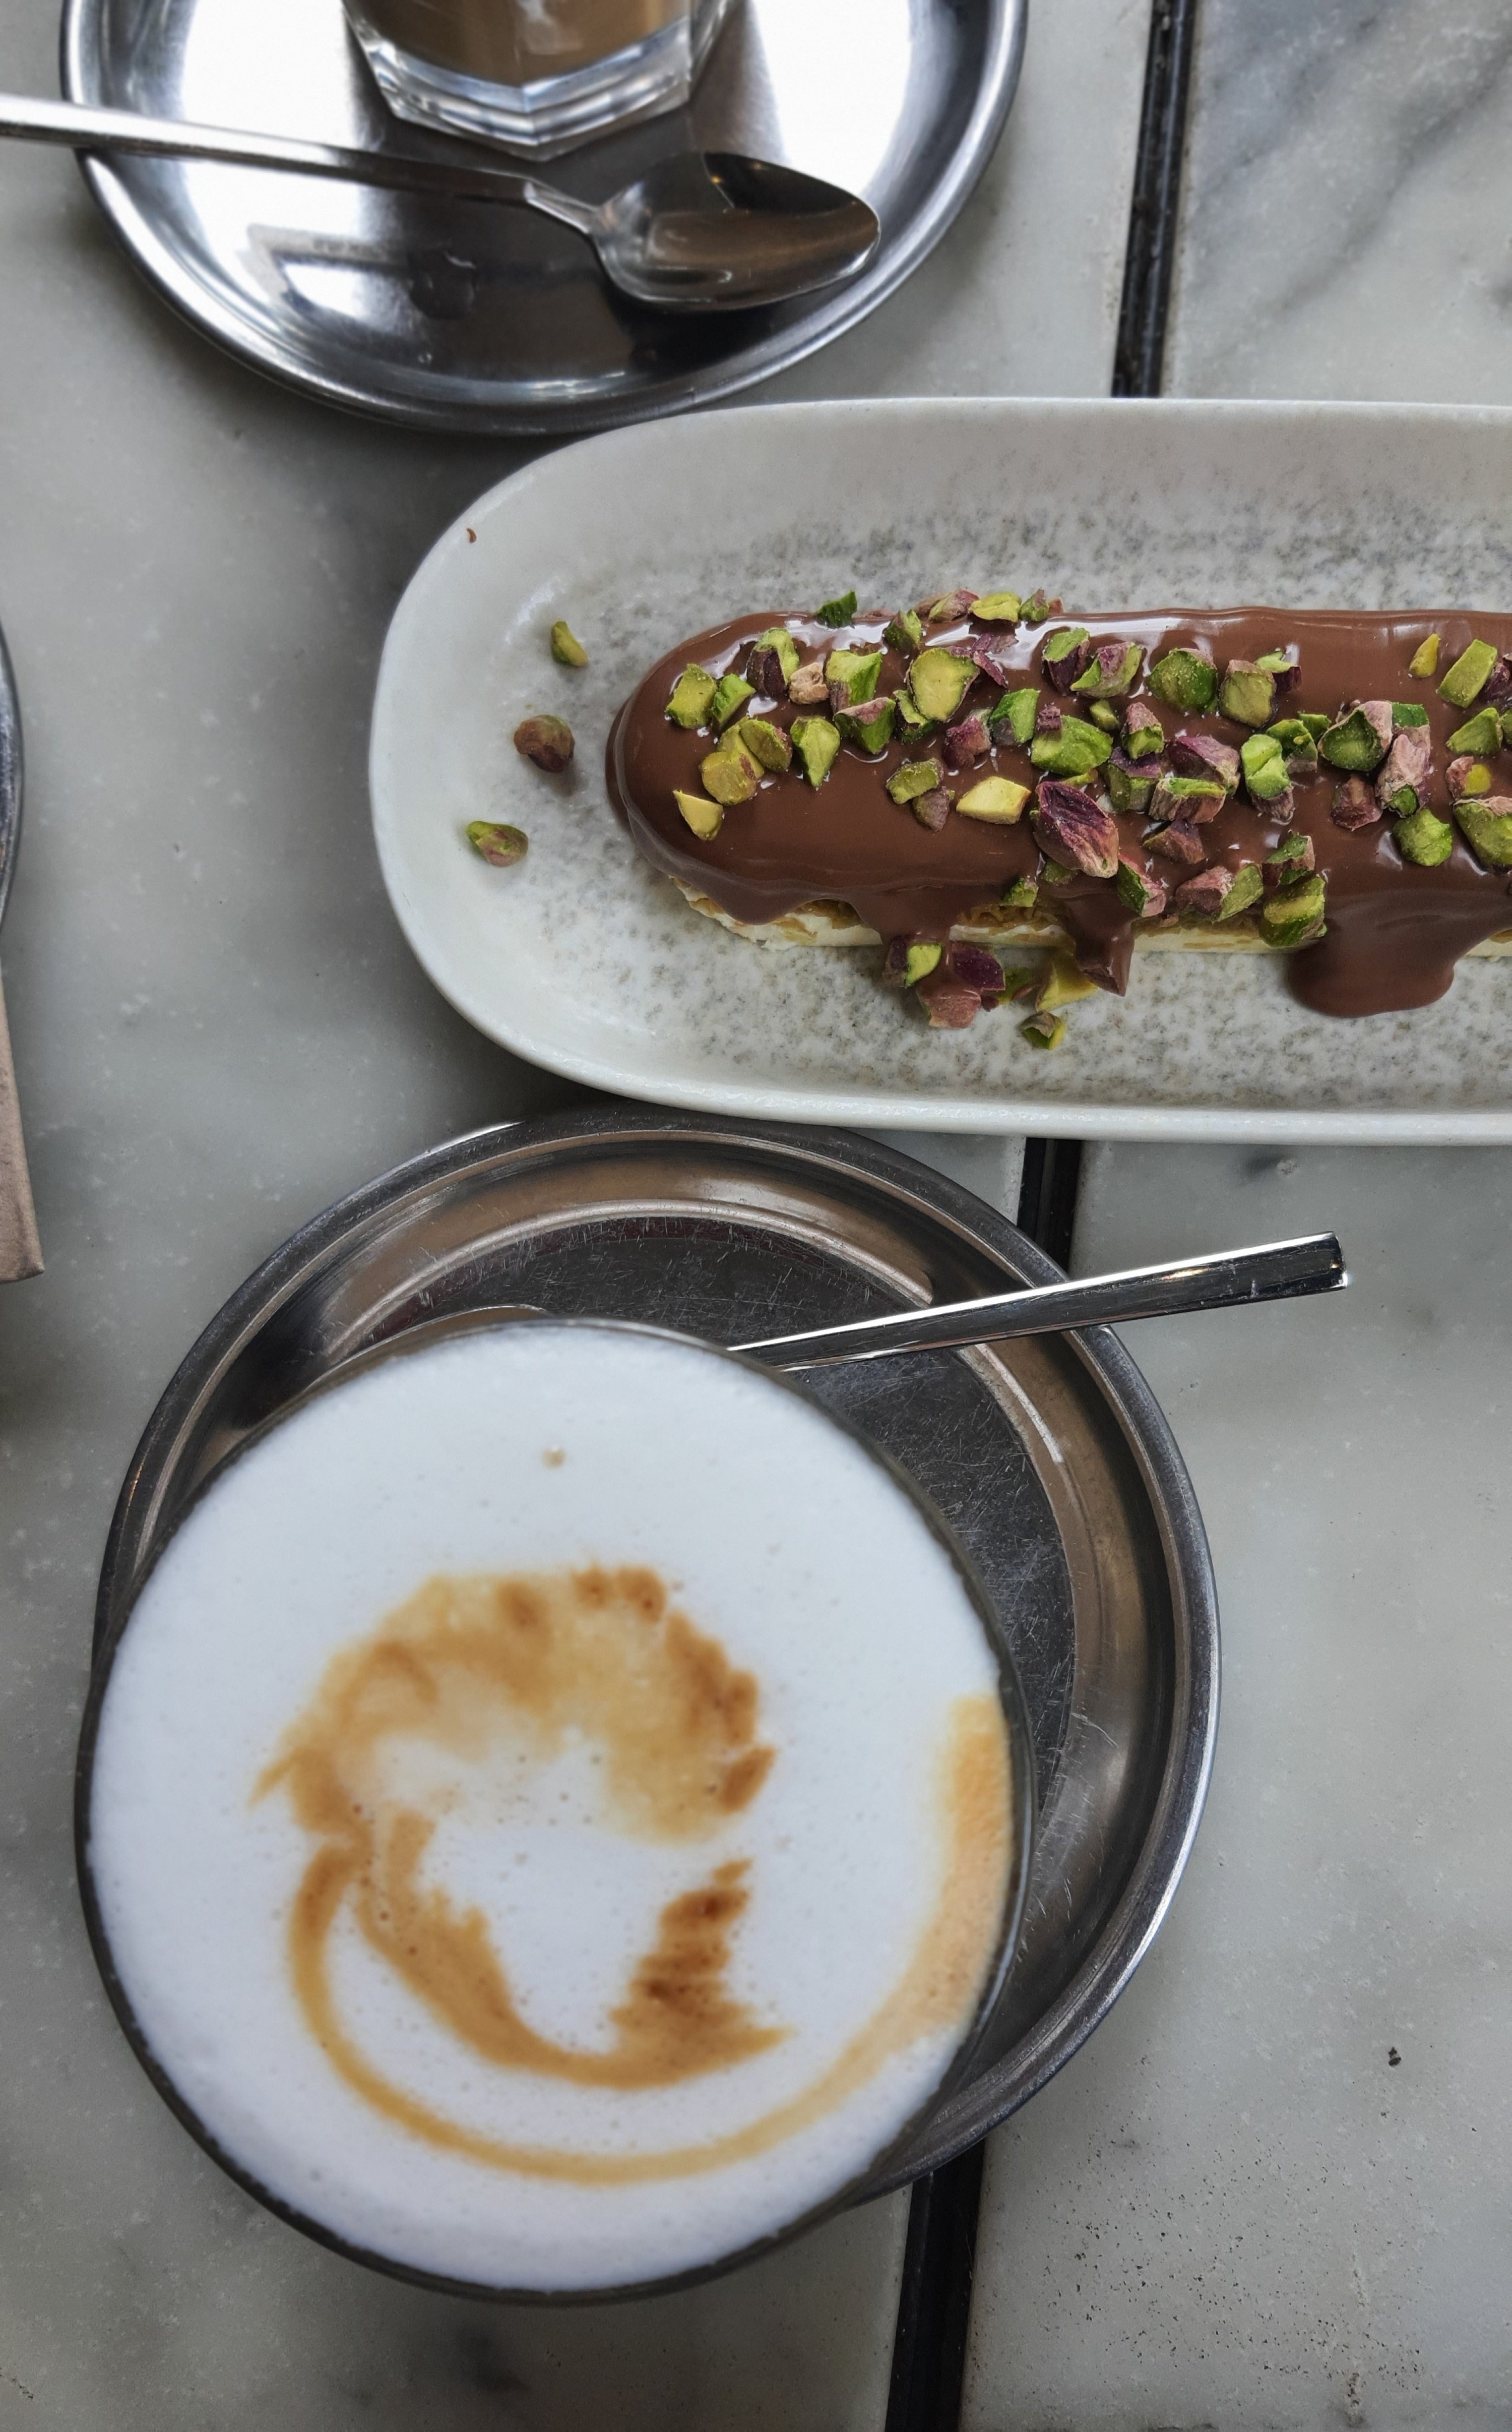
x=1223, y=1279
x=126, y=130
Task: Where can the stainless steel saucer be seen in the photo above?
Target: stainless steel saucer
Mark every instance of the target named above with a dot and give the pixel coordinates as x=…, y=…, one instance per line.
x=1049, y=1458
x=468, y=317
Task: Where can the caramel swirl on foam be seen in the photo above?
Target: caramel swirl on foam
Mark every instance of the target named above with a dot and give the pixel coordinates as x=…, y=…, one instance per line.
x=470, y=1665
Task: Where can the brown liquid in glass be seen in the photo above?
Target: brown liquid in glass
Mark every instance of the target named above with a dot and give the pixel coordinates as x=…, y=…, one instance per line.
x=519, y=42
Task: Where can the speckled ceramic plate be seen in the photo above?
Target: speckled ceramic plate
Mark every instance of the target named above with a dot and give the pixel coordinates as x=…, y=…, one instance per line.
x=585, y=960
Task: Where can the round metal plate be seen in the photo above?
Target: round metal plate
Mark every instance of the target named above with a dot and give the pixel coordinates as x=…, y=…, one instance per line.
x=477, y=318
x=1050, y=1459
x=9, y=774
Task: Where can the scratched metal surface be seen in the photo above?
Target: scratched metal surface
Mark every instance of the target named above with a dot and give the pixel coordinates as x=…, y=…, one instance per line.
x=1050, y=1459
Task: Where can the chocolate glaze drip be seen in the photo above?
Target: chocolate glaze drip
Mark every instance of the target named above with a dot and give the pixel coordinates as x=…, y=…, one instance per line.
x=1394, y=931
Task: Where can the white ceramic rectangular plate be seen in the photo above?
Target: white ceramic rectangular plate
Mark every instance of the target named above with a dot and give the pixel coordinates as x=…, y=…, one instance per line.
x=583, y=959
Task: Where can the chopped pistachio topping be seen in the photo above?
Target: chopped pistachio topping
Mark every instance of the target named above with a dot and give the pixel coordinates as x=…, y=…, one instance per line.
x=1265, y=774
x=565, y=647
x=1134, y=889
x=1469, y=778
x=497, y=843
x=1316, y=723
x=1294, y=737
x=1184, y=679
x=1184, y=798
x=818, y=745
x=1143, y=732
x=1294, y=915
x=1468, y=674
x=1248, y=693
x=1425, y=840
x=1016, y=712
x=853, y=673
x=691, y=696
x=939, y=683
x=730, y=773
x=702, y=816
x=1043, y=1029
x=1128, y=789
x=1107, y=676
x=1275, y=663
x=913, y=777
x=777, y=638
x=1486, y=827
x=766, y=743
x=1425, y=660
x=730, y=694
x=1063, y=984
x=993, y=798
x=870, y=724
x=1482, y=732
x=837, y=611
x=911, y=719
x=1021, y=896
x=1248, y=887
x=1409, y=713
x=548, y=741
x=1036, y=608
x=1075, y=752
x=998, y=608
x=905, y=632
x=1506, y=723
x=1104, y=714
x=920, y=960
x=1061, y=643
x=1293, y=854
x=1354, y=742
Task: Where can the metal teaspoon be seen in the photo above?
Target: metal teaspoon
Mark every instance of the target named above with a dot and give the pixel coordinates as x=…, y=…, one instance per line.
x=701, y=232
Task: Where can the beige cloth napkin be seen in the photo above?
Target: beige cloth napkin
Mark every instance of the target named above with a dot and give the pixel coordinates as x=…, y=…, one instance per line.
x=20, y=1250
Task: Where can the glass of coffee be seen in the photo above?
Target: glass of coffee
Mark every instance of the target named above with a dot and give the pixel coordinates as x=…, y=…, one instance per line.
x=557, y=1812
x=536, y=75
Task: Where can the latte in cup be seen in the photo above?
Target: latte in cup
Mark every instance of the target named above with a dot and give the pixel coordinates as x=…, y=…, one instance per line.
x=551, y=1819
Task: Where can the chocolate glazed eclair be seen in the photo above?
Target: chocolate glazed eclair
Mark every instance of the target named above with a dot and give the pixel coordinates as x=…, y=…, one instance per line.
x=979, y=773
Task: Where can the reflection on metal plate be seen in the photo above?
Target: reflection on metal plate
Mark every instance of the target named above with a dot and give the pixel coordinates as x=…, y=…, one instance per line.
x=470, y=317
x=1049, y=1458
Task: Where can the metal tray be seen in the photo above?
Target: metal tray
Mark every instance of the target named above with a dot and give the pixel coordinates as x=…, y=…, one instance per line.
x=1050, y=1458
x=9, y=774
x=474, y=318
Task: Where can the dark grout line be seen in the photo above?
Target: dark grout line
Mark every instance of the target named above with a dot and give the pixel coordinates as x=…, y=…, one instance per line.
x=939, y=2261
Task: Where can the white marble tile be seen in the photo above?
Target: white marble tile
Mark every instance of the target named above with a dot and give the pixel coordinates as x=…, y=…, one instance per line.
x=1347, y=206
x=1234, y=2208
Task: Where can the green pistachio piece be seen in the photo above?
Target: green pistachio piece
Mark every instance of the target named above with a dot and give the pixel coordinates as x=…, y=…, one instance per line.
x=1129, y=789
x=1143, y=733
x=920, y=960
x=1469, y=674
x=1316, y=723
x=1486, y=826
x=1184, y=679
x=1506, y=723
x=1176, y=796
x=1294, y=736
x=702, y=816
x=1056, y=874
x=1248, y=693
x=993, y=798
x=1476, y=779
x=497, y=843
x=766, y=743
x=691, y=696
x=548, y=741
x=1038, y=607
x=1409, y=713
x=1263, y=763
x=1482, y=732
x=912, y=777
x=855, y=672
x=728, y=694
x=939, y=683
x=1425, y=660
x=870, y=725
x=729, y=774
x=1275, y=663
x=1104, y=714
x=1294, y=915
x=777, y=638
x=565, y=647
x=1021, y=896
x=1248, y=887
x=910, y=717
x=1354, y=743
x=1061, y=643
x=1135, y=890
x=1425, y=838
x=1043, y=1029
x=1016, y=711
x=998, y=608
x=1107, y=682
x=818, y=745
x=905, y=632
x=1293, y=856
x=1075, y=752
x=1063, y=984
x=837, y=611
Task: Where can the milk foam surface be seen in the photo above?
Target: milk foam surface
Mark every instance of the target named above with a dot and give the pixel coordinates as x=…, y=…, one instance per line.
x=783, y=1543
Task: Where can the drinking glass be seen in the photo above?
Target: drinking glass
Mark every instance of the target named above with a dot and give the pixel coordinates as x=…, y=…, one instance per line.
x=535, y=76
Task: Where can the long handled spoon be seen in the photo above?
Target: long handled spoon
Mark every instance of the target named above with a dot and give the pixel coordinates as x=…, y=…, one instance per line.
x=1223, y=1279
x=701, y=232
